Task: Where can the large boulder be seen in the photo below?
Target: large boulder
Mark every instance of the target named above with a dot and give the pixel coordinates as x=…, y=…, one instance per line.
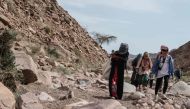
x=136, y=95
x=129, y=88
x=44, y=77
x=51, y=79
x=106, y=104
x=25, y=63
x=7, y=100
x=29, y=101
x=181, y=88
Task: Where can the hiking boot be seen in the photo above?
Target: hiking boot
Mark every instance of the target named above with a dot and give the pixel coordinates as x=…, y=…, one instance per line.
x=112, y=97
x=163, y=96
x=156, y=98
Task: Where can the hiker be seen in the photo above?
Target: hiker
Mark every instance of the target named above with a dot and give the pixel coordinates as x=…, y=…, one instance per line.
x=118, y=65
x=143, y=68
x=178, y=73
x=134, y=74
x=163, y=69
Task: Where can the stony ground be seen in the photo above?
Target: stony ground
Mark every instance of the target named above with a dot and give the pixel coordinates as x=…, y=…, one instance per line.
x=97, y=92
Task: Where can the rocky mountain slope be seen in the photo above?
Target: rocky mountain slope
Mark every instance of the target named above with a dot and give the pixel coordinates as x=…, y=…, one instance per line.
x=182, y=56
x=43, y=25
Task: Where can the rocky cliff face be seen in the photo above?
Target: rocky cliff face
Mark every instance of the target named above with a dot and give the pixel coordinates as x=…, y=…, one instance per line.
x=182, y=56
x=42, y=25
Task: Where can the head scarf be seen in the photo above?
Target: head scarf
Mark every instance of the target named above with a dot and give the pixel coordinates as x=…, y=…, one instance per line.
x=123, y=49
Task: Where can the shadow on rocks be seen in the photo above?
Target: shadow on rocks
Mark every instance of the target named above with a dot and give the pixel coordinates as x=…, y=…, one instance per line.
x=101, y=97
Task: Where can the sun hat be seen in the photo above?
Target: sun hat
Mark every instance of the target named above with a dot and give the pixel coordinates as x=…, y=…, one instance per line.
x=163, y=47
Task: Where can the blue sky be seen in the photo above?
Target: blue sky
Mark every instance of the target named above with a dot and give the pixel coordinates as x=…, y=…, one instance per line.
x=143, y=24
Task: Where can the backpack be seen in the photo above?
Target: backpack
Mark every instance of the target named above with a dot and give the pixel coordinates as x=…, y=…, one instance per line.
x=136, y=60
x=134, y=76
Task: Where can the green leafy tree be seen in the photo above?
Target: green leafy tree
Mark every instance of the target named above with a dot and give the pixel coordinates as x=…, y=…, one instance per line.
x=102, y=38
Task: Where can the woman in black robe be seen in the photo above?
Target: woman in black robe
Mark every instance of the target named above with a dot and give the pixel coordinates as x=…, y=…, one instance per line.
x=118, y=65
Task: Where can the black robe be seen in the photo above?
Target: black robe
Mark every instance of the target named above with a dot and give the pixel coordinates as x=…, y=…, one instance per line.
x=118, y=65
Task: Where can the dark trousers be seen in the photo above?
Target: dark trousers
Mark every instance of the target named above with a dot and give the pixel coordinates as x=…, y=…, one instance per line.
x=133, y=78
x=151, y=82
x=159, y=84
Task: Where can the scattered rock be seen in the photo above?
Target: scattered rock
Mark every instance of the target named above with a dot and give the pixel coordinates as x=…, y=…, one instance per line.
x=188, y=104
x=150, y=102
x=68, y=64
x=69, y=95
x=161, y=101
x=7, y=99
x=64, y=88
x=82, y=88
x=52, y=62
x=103, y=87
x=102, y=82
x=83, y=82
x=42, y=51
x=87, y=74
x=145, y=104
x=45, y=97
x=177, y=106
x=5, y=20
x=17, y=44
x=136, y=95
x=69, y=77
x=143, y=100
x=157, y=106
x=18, y=48
x=150, y=91
x=29, y=101
x=96, y=70
x=137, y=105
x=32, y=30
x=170, y=101
x=46, y=68
x=168, y=106
x=28, y=50
x=41, y=62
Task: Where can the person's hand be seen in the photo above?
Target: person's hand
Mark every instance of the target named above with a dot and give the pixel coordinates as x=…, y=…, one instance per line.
x=126, y=71
x=137, y=69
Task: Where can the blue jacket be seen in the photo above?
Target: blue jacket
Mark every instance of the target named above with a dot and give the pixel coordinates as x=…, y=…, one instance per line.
x=156, y=65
